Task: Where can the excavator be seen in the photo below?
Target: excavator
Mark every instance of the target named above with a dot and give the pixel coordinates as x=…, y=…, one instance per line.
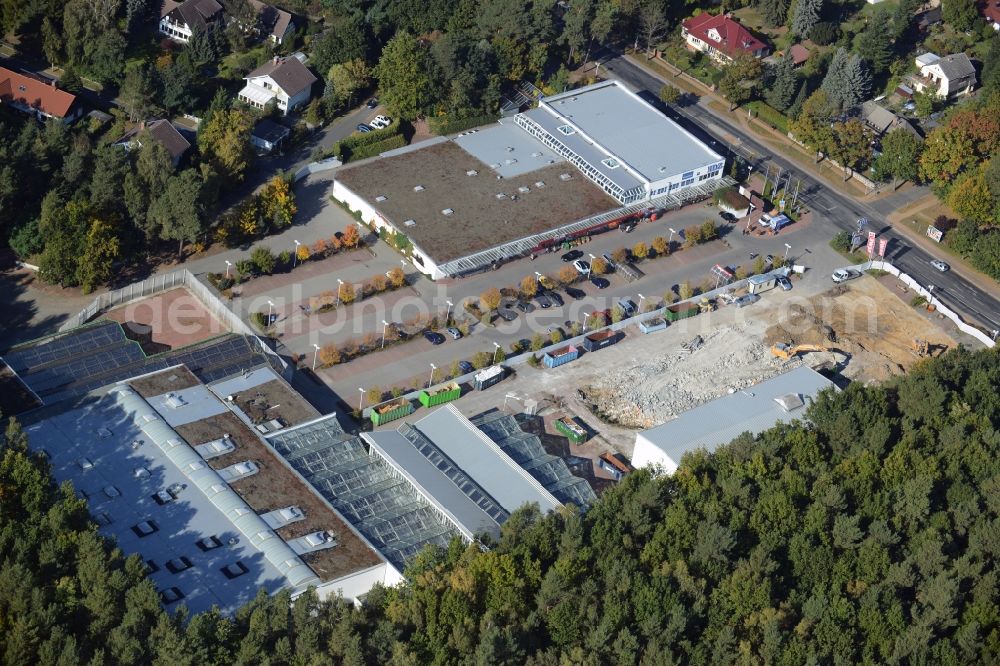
x=785, y=351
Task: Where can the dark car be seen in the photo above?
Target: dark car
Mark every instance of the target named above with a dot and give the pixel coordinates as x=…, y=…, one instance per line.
x=575, y=293
x=372, y=103
x=746, y=299
x=433, y=338
x=465, y=367
x=727, y=216
x=572, y=255
x=554, y=297
x=364, y=128
x=600, y=283
x=543, y=301
x=507, y=314
x=525, y=307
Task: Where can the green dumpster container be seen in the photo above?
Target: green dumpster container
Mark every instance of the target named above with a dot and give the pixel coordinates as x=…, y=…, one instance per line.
x=390, y=412
x=440, y=395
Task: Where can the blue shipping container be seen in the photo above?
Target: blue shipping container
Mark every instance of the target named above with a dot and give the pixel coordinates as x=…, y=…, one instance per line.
x=560, y=356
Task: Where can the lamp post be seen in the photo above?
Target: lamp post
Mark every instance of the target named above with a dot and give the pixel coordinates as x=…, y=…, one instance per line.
x=315, y=355
x=295, y=254
x=361, y=405
x=787, y=249
x=340, y=284
x=270, y=311
x=385, y=325
x=586, y=315
x=670, y=240
x=930, y=292
x=590, y=266
x=641, y=299
x=447, y=318
x=430, y=382
x=229, y=265
x=497, y=351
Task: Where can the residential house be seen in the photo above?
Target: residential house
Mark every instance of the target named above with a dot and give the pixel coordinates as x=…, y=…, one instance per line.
x=799, y=54
x=37, y=96
x=947, y=77
x=721, y=37
x=990, y=11
x=881, y=120
x=180, y=20
x=276, y=23
x=161, y=131
x=268, y=135
x=285, y=80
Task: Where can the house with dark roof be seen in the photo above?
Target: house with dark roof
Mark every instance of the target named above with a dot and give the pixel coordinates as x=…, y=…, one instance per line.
x=881, y=120
x=268, y=135
x=285, y=80
x=161, y=131
x=947, y=77
x=721, y=37
x=180, y=20
x=37, y=96
x=276, y=23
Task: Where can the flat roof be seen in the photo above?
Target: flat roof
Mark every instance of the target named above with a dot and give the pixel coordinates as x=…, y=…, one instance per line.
x=485, y=462
x=436, y=487
x=507, y=149
x=622, y=124
x=753, y=409
x=91, y=443
x=479, y=220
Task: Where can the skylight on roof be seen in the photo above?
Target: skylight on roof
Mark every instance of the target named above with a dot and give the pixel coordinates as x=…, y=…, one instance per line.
x=610, y=162
x=567, y=130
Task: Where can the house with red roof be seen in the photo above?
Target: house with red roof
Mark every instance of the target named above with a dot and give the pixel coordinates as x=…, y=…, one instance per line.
x=990, y=10
x=37, y=96
x=721, y=37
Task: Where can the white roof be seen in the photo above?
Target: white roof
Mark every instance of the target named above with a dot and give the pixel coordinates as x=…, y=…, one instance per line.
x=257, y=94
x=927, y=59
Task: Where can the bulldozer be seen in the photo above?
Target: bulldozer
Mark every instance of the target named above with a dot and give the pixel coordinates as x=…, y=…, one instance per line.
x=786, y=351
x=706, y=305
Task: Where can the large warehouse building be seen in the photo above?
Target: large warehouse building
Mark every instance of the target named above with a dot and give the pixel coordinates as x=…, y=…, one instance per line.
x=459, y=205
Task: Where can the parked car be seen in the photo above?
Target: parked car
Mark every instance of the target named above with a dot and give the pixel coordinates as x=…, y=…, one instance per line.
x=465, y=367
x=574, y=293
x=543, y=301
x=372, y=103
x=844, y=274
x=940, y=265
x=746, y=299
x=433, y=338
x=581, y=266
x=600, y=283
x=554, y=297
x=454, y=333
x=525, y=307
x=628, y=307
x=507, y=314
x=783, y=282
x=727, y=216
x=572, y=255
x=364, y=128
x=375, y=123
x=383, y=121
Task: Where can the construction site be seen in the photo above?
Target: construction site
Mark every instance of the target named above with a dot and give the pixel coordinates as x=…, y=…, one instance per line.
x=857, y=332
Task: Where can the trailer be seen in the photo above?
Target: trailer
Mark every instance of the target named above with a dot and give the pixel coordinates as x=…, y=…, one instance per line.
x=760, y=283
x=600, y=340
x=440, y=395
x=396, y=409
x=488, y=377
x=561, y=356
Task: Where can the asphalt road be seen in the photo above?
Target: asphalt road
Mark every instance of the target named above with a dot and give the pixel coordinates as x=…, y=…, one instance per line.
x=837, y=209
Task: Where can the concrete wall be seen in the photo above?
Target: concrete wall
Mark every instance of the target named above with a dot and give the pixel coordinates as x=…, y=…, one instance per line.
x=360, y=583
x=648, y=454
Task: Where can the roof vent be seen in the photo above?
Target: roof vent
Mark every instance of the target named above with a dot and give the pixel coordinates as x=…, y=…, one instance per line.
x=501, y=195
x=471, y=172
x=418, y=188
x=790, y=401
x=524, y=189
x=380, y=198
x=409, y=223
x=174, y=401
x=536, y=154
x=539, y=183
x=495, y=165
x=447, y=211
x=510, y=149
x=510, y=161
x=565, y=176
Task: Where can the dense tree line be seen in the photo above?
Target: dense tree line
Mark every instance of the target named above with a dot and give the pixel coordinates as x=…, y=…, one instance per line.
x=866, y=535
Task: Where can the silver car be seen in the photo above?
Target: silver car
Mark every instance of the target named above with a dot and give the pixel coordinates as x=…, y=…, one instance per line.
x=940, y=265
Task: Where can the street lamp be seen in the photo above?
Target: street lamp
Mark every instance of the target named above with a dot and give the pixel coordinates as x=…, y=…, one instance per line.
x=270, y=311
x=361, y=405
x=497, y=345
x=315, y=355
x=930, y=298
x=538, y=275
x=229, y=265
x=430, y=382
x=385, y=325
x=447, y=318
x=641, y=299
x=295, y=255
x=586, y=315
x=340, y=284
x=787, y=248
x=670, y=240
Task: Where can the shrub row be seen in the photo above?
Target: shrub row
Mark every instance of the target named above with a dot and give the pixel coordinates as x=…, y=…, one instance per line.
x=371, y=150
x=441, y=125
x=770, y=115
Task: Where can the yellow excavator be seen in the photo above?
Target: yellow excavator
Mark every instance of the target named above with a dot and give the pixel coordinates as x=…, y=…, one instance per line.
x=786, y=351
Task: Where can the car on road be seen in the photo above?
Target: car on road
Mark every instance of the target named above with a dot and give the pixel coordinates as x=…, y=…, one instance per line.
x=746, y=299
x=844, y=274
x=940, y=265
x=572, y=255
x=454, y=333
x=581, y=266
x=600, y=283
x=364, y=128
x=554, y=297
x=783, y=282
x=727, y=216
x=433, y=338
x=465, y=367
x=574, y=293
x=543, y=301
x=372, y=103
x=525, y=307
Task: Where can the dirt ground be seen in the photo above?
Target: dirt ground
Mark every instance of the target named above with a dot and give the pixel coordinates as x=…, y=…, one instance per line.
x=177, y=318
x=272, y=400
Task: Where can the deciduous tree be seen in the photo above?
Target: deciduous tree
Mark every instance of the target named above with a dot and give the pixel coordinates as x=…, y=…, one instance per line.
x=178, y=211
x=403, y=73
x=101, y=251
x=224, y=141
x=971, y=199
x=490, y=299
x=900, y=156
x=740, y=79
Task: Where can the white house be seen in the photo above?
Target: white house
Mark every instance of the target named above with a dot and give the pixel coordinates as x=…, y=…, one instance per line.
x=947, y=77
x=721, y=37
x=179, y=20
x=285, y=80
